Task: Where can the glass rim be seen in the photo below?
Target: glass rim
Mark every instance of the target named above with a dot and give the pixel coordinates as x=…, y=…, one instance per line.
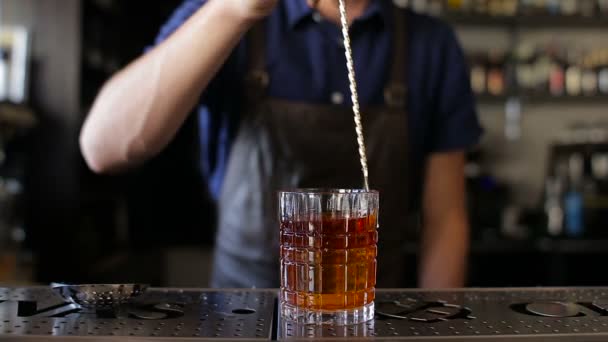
x=327, y=191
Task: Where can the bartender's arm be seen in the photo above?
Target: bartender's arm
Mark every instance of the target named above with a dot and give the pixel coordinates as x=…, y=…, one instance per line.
x=140, y=109
x=455, y=129
x=445, y=235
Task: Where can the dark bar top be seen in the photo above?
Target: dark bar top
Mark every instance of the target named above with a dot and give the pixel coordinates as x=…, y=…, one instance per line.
x=161, y=314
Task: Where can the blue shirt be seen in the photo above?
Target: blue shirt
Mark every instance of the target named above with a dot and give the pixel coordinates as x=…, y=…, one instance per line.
x=306, y=63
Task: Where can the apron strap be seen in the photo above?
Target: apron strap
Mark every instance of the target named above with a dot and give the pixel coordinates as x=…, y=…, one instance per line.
x=395, y=93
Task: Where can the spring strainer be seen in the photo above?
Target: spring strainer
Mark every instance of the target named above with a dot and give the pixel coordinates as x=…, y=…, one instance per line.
x=99, y=296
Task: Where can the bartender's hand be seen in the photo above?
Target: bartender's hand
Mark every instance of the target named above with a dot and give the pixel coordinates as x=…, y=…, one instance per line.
x=251, y=9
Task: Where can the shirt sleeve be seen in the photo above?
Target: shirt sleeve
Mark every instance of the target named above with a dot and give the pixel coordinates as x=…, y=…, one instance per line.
x=179, y=16
x=455, y=124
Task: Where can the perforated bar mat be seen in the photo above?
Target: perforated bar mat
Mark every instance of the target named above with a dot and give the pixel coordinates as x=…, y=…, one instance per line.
x=159, y=314
x=172, y=314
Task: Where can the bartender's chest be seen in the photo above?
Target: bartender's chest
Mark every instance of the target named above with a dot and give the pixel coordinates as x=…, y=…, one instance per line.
x=307, y=64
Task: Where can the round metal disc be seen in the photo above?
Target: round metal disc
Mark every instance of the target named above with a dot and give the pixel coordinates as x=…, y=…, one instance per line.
x=601, y=304
x=553, y=309
x=167, y=307
x=438, y=312
x=391, y=309
x=146, y=314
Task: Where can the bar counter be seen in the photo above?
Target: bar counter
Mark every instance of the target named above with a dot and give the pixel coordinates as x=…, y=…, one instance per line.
x=161, y=314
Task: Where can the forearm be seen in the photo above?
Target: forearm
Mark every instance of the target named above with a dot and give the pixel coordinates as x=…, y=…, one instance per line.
x=444, y=252
x=445, y=237
x=140, y=109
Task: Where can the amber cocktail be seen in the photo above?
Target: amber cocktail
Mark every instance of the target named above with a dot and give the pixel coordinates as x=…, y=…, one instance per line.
x=328, y=255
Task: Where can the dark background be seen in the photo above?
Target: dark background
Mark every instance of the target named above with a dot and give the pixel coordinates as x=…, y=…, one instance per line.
x=117, y=228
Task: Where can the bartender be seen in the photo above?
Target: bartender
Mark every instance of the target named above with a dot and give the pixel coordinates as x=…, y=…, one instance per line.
x=268, y=81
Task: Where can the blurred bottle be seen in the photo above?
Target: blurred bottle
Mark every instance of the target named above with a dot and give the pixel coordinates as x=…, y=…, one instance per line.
x=435, y=8
x=496, y=73
x=419, y=6
x=524, y=71
x=478, y=74
x=542, y=72
x=4, y=74
x=554, y=68
x=603, y=80
x=588, y=8
x=510, y=7
x=569, y=7
x=557, y=76
x=481, y=7
x=573, y=200
x=573, y=80
x=513, y=118
x=459, y=6
x=553, y=7
x=599, y=166
x=589, y=82
x=495, y=8
x=554, y=188
x=529, y=7
x=484, y=7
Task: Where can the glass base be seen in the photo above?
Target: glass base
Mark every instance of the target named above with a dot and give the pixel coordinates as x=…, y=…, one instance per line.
x=335, y=317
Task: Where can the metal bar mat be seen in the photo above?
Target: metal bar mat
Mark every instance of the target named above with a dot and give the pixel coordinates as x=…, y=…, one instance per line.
x=172, y=314
x=157, y=314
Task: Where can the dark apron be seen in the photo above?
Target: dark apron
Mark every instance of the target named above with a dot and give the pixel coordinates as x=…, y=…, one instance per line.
x=282, y=144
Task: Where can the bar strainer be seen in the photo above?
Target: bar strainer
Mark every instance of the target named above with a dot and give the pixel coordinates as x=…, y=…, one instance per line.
x=99, y=296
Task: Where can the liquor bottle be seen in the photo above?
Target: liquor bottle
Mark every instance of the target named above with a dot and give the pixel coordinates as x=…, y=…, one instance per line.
x=478, y=75
x=554, y=210
x=524, y=55
x=527, y=7
x=419, y=6
x=481, y=7
x=542, y=72
x=403, y=3
x=495, y=8
x=569, y=7
x=573, y=200
x=4, y=74
x=587, y=8
x=599, y=166
x=496, y=74
x=460, y=6
x=455, y=5
x=589, y=82
x=603, y=80
x=435, y=8
x=573, y=80
x=510, y=8
x=553, y=7
x=557, y=79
